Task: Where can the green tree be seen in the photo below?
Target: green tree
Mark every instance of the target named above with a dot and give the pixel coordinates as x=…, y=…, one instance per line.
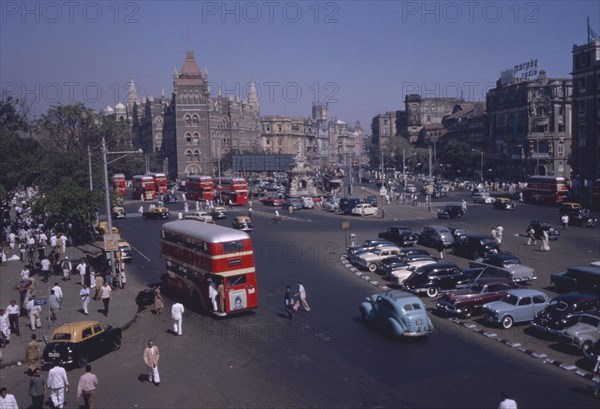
x=458, y=156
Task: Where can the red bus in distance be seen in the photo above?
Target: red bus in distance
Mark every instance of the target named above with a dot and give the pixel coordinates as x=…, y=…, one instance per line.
x=160, y=182
x=234, y=189
x=546, y=190
x=143, y=188
x=119, y=184
x=199, y=187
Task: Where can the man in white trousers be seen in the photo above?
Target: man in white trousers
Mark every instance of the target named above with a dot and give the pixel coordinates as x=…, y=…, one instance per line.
x=177, y=315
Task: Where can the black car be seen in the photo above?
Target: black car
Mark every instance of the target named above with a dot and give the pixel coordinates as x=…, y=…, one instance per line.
x=583, y=278
x=540, y=226
x=450, y=212
x=562, y=311
x=372, y=200
x=504, y=203
x=394, y=262
x=77, y=343
x=433, y=278
x=581, y=218
x=401, y=235
x=473, y=246
x=170, y=198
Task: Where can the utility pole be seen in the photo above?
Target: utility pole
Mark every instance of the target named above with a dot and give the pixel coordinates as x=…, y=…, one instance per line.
x=429, y=161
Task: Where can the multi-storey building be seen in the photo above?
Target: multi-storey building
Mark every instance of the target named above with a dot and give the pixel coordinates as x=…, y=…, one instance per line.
x=425, y=111
x=529, y=130
x=586, y=116
x=383, y=128
x=323, y=141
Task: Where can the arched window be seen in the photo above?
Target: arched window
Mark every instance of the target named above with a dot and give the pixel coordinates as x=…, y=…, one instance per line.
x=196, y=139
x=197, y=155
x=188, y=155
x=188, y=120
x=188, y=139
x=195, y=119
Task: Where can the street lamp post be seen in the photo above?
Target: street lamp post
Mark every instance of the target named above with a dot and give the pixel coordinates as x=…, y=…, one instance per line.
x=404, y=164
x=480, y=152
x=107, y=191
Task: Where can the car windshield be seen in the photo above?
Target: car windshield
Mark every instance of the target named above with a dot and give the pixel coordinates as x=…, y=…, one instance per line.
x=558, y=305
x=61, y=336
x=511, y=299
x=511, y=261
x=443, y=231
x=476, y=288
x=487, y=241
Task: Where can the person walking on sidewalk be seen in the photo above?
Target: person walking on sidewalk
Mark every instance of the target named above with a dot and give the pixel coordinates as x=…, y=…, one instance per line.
x=58, y=383
x=88, y=382
x=151, y=357
x=84, y=293
x=37, y=389
x=32, y=353
x=158, y=300
x=67, y=266
x=81, y=267
x=13, y=312
x=506, y=402
x=34, y=314
x=177, y=315
x=105, y=293
x=565, y=221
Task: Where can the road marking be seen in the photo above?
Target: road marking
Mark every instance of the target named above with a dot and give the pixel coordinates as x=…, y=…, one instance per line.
x=141, y=254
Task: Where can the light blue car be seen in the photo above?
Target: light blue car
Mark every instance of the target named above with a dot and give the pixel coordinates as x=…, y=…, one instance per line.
x=401, y=313
x=518, y=305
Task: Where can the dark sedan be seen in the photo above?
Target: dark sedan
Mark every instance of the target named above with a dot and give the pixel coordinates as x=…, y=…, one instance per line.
x=562, y=311
x=78, y=343
x=436, y=277
x=450, y=212
x=540, y=226
x=473, y=246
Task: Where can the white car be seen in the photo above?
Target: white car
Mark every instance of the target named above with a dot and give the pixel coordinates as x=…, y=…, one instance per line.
x=411, y=189
x=200, y=216
x=402, y=274
x=483, y=198
x=371, y=260
x=364, y=209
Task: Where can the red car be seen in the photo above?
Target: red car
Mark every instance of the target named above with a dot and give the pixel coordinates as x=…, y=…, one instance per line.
x=465, y=302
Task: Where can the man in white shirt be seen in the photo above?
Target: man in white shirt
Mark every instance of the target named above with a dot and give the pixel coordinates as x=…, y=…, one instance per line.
x=13, y=311
x=506, y=403
x=58, y=292
x=34, y=314
x=45, y=268
x=105, y=293
x=177, y=315
x=81, y=267
x=58, y=384
x=7, y=400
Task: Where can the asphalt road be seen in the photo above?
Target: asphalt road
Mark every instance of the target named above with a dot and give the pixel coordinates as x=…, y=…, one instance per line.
x=327, y=357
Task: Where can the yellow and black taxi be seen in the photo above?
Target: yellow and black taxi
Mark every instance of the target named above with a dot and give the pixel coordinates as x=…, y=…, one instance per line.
x=504, y=203
x=103, y=229
x=77, y=343
x=125, y=252
x=242, y=223
x=218, y=213
x=158, y=212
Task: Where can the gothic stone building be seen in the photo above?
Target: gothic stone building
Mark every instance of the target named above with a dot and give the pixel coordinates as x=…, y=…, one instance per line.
x=192, y=128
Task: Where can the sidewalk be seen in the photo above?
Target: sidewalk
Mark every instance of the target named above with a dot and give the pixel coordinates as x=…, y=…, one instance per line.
x=122, y=309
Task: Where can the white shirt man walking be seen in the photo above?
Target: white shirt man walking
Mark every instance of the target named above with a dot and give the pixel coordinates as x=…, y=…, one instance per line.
x=58, y=384
x=177, y=315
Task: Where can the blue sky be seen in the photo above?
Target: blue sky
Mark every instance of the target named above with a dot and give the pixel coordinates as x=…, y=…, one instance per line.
x=360, y=56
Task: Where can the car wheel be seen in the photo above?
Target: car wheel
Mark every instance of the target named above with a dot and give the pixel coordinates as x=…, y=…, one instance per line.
x=363, y=314
x=507, y=322
x=116, y=343
x=82, y=360
x=586, y=346
x=432, y=292
x=372, y=267
x=467, y=312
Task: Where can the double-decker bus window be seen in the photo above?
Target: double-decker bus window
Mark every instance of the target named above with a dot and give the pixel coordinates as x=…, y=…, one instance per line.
x=233, y=246
x=236, y=280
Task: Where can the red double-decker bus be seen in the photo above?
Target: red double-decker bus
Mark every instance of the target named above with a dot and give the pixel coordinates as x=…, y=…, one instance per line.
x=160, y=182
x=546, y=190
x=234, y=189
x=199, y=187
x=143, y=187
x=210, y=256
x=119, y=184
